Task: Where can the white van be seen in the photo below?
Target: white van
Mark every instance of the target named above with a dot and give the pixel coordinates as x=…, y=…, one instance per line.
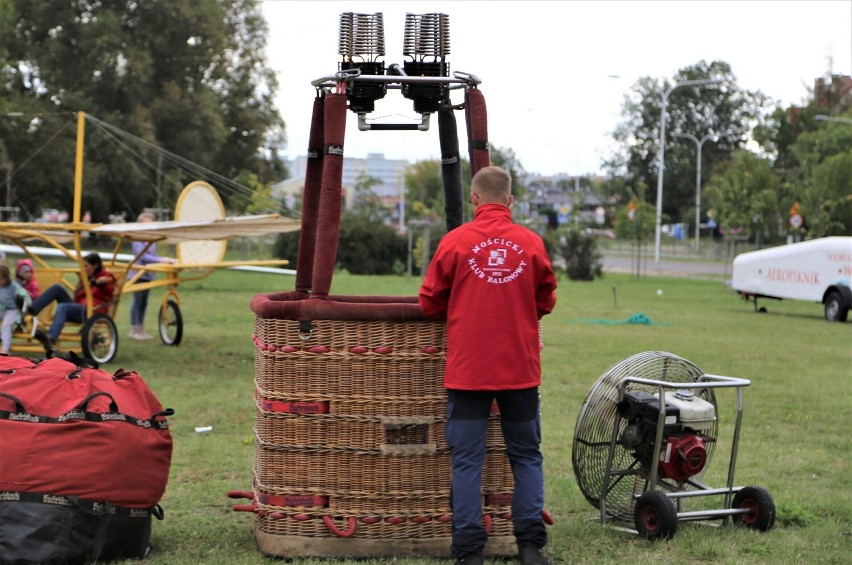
x=818, y=270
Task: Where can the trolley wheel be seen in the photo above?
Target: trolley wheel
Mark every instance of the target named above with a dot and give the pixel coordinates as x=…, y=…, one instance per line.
x=655, y=516
x=170, y=323
x=99, y=338
x=761, y=507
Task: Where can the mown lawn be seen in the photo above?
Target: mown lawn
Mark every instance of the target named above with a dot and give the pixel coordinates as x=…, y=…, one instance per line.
x=795, y=438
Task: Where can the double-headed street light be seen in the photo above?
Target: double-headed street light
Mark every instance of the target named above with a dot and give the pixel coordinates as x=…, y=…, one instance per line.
x=824, y=118
x=698, y=143
x=662, y=162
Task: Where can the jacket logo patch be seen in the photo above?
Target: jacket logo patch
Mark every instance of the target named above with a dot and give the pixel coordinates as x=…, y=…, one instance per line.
x=498, y=268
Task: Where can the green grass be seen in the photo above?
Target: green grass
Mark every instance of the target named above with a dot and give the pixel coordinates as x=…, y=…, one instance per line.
x=795, y=438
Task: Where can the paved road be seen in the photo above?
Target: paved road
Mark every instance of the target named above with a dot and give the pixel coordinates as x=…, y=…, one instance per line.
x=690, y=268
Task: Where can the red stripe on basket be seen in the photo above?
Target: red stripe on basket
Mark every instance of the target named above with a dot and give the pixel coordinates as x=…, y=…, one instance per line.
x=498, y=500
x=358, y=349
x=292, y=499
x=431, y=349
x=383, y=350
x=293, y=407
x=319, y=349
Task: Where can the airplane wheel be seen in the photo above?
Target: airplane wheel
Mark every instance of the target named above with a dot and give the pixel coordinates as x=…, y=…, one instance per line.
x=99, y=338
x=171, y=323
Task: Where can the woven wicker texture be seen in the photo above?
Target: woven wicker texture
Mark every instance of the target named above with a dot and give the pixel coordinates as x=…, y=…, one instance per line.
x=349, y=429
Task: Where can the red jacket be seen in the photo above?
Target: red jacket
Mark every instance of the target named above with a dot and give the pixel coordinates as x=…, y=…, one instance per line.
x=31, y=286
x=103, y=289
x=493, y=281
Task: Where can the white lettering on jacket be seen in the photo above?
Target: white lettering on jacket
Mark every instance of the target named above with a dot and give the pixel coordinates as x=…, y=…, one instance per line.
x=497, y=260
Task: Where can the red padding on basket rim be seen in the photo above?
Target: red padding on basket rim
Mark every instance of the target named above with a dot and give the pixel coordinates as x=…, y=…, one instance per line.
x=293, y=306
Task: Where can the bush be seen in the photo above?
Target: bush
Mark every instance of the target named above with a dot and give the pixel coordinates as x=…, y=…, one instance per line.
x=364, y=248
x=581, y=256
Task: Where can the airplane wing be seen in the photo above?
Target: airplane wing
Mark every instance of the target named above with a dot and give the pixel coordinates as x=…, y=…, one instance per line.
x=180, y=231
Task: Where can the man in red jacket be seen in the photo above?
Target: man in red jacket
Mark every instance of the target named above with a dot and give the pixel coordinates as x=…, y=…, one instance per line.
x=493, y=281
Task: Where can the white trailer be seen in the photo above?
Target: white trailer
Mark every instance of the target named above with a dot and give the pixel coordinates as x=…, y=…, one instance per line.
x=819, y=270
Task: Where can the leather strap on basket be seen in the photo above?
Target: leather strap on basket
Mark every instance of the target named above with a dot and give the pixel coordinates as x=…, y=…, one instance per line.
x=450, y=167
x=331, y=195
x=476, y=116
x=310, y=200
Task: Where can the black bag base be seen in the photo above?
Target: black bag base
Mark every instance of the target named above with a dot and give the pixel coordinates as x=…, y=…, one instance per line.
x=62, y=530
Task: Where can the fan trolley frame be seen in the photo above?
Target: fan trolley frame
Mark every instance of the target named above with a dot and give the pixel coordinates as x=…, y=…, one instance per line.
x=706, y=381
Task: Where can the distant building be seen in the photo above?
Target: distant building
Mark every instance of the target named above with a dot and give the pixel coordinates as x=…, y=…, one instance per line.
x=390, y=174
x=568, y=197
x=835, y=95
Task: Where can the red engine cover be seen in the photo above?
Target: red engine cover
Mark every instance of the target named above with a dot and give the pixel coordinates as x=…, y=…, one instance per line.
x=683, y=457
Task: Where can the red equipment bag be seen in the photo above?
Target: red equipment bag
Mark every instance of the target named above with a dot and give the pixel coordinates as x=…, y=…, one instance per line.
x=84, y=461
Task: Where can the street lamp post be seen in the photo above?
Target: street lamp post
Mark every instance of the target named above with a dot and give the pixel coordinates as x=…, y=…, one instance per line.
x=662, y=161
x=698, y=143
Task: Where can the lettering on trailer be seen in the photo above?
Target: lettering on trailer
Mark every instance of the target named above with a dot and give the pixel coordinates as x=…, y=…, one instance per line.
x=840, y=257
x=793, y=276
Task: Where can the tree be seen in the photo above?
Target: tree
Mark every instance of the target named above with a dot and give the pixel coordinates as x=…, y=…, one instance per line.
x=424, y=191
x=744, y=196
x=506, y=159
x=367, y=204
x=580, y=254
x=724, y=110
x=185, y=75
x=813, y=158
x=825, y=180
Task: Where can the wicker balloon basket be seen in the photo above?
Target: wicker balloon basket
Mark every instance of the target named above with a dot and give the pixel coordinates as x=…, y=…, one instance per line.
x=350, y=455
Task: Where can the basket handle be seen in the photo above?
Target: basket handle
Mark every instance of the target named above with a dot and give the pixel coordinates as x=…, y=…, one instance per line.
x=351, y=522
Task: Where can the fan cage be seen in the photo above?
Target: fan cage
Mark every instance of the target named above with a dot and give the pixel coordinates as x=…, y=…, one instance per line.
x=599, y=414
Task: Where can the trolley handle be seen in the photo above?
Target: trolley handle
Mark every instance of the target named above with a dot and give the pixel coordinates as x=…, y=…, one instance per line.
x=705, y=381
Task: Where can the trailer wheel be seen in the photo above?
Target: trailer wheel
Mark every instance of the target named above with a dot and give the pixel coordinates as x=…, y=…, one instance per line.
x=835, y=311
x=761, y=507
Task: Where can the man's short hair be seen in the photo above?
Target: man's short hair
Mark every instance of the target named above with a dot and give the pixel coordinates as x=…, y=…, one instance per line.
x=492, y=184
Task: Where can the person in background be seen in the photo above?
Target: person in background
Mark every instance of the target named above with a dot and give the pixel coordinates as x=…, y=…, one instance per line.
x=140, y=299
x=493, y=281
x=25, y=275
x=10, y=293
x=102, y=283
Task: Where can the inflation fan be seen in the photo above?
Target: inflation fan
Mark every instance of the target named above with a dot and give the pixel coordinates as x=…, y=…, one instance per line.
x=636, y=458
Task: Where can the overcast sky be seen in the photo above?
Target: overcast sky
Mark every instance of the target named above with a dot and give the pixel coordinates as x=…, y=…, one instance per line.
x=546, y=67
